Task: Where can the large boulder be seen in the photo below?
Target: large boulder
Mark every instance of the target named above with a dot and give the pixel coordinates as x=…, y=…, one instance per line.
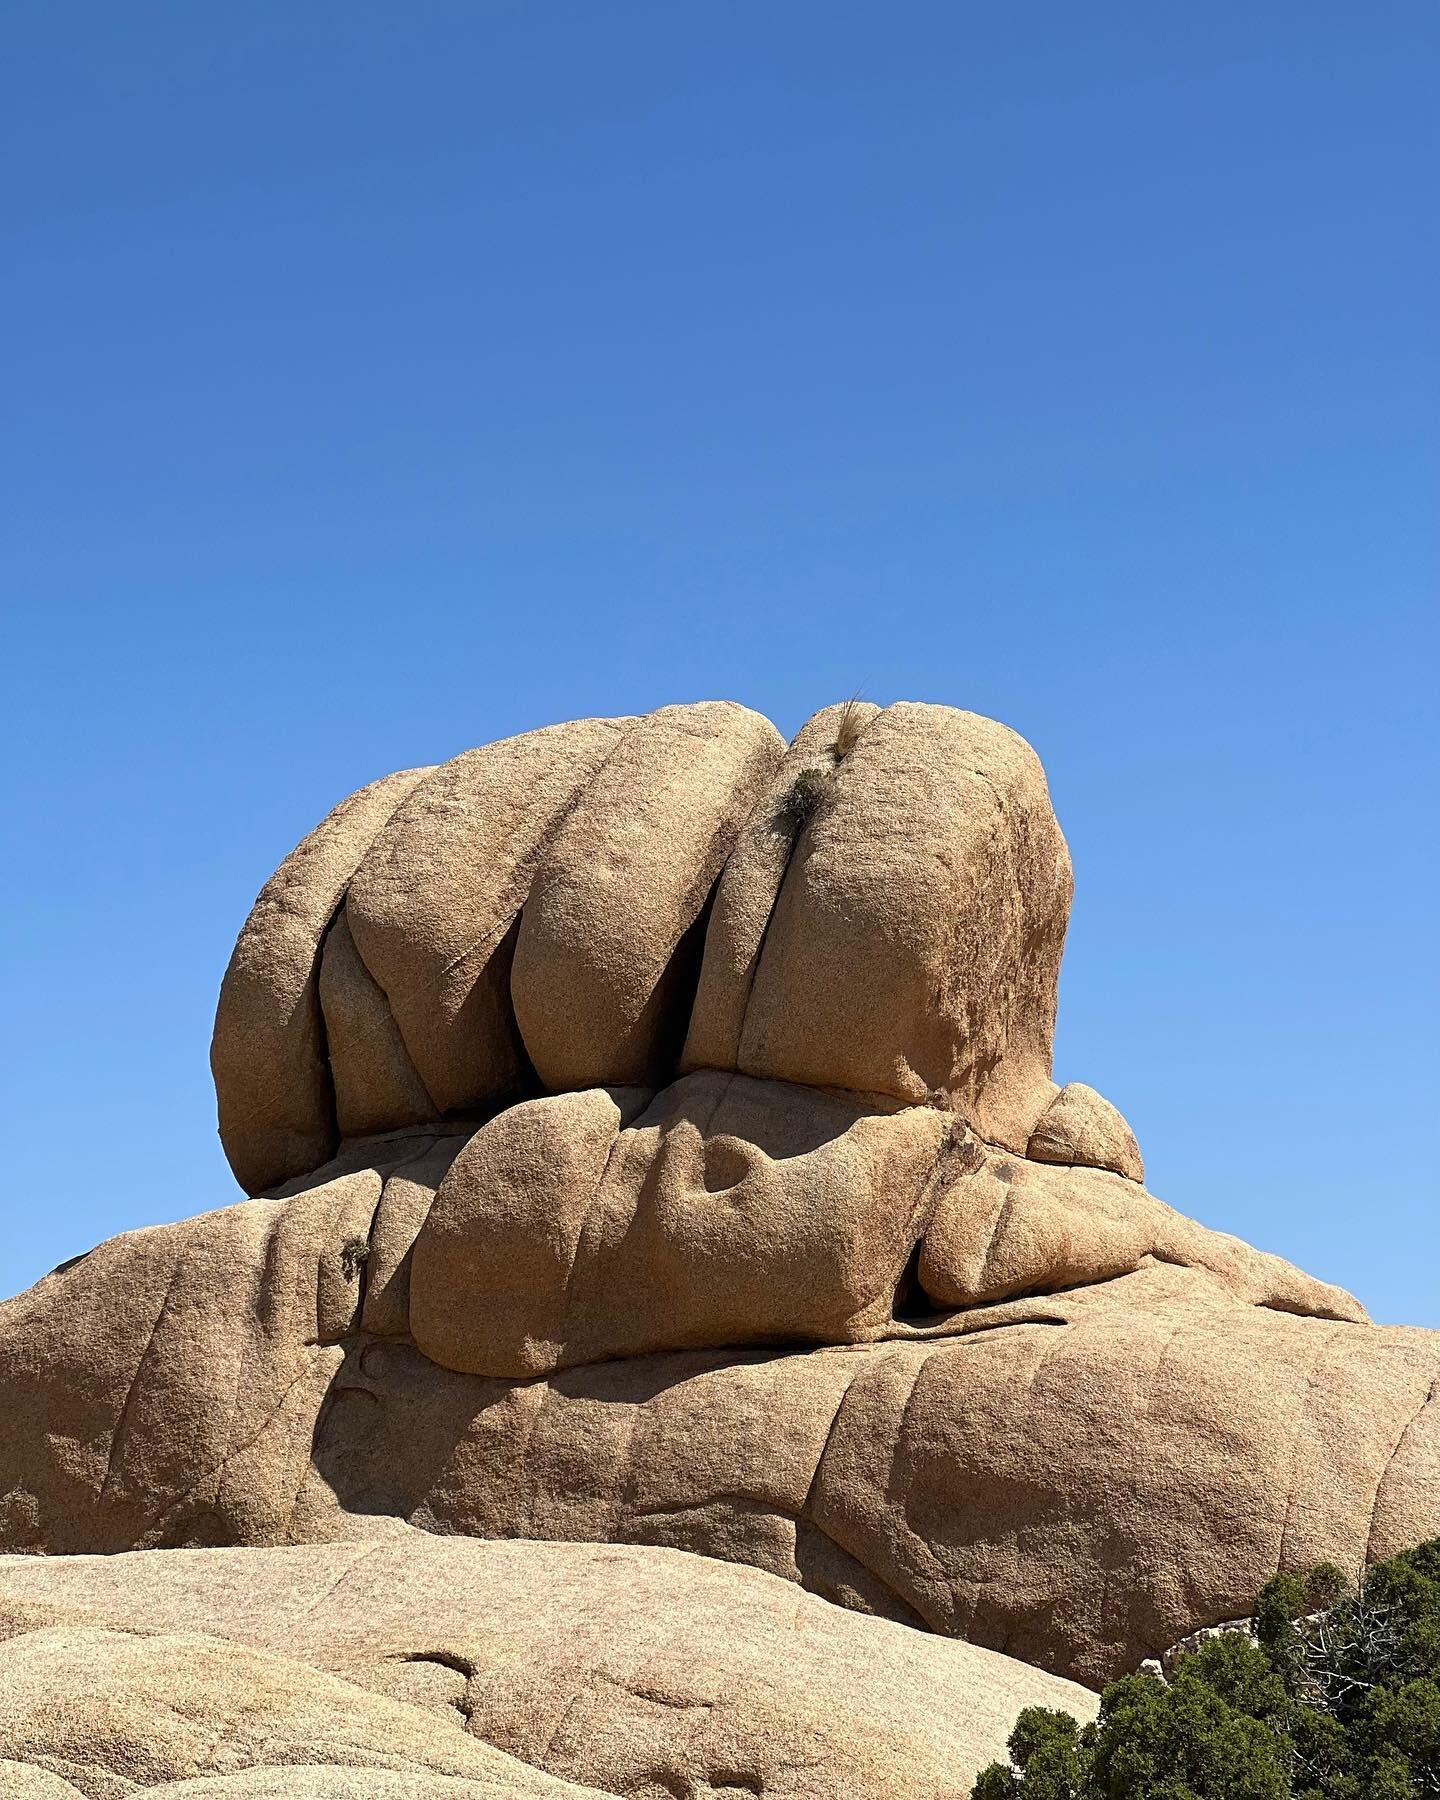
x=754, y=874
x=728, y=1211
x=95, y=1706
x=611, y=934
x=269, y=1053
x=1081, y=1126
x=879, y=909
x=637, y=1672
x=434, y=908
x=912, y=944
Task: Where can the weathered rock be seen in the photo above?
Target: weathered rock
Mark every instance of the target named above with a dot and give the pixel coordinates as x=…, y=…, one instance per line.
x=412, y=1166
x=176, y=1372
x=306, y=1781
x=641, y=1672
x=24, y=1781
x=376, y=983
x=1008, y=1226
x=861, y=1300
x=377, y=1087
x=101, y=1707
x=1081, y=1477
x=914, y=946
x=434, y=909
x=746, y=896
x=532, y=915
x=272, y=1082
x=1081, y=1126
x=604, y=970
x=729, y=1212
x=1074, y=1477
x=310, y=1781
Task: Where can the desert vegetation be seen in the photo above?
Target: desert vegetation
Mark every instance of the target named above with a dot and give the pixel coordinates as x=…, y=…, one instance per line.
x=1326, y=1694
x=354, y=1254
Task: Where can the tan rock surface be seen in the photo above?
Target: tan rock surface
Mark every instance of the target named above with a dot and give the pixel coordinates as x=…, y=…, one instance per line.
x=296, y=1781
x=1010, y=1226
x=375, y=984
x=810, y=1308
x=730, y=1212
x=175, y=1373
x=110, y=1711
x=1065, y=1508
x=746, y=896
x=377, y=1087
x=23, y=1781
x=434, y=908
x=272, y=1082
x=604, y=967
x=637, y=1672
x=1081, y=1126
x=534, y=913
x=915, y=943
x=310, y=1782
x=1075, y=1478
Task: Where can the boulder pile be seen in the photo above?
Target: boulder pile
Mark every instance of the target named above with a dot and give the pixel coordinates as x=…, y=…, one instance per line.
x=654, y=1150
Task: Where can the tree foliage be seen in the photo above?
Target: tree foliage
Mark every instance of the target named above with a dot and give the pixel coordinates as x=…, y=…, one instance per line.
x=1332, y=1694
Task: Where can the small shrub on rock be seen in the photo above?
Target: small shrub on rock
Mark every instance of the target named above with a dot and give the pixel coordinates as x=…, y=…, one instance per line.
x=802, y=800
x=354, y=1254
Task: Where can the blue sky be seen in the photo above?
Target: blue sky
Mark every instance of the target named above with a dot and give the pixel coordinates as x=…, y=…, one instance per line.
x=386, y=379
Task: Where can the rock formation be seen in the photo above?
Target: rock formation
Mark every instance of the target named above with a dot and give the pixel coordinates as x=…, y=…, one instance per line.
x=518, y=1668
x=654, y=1149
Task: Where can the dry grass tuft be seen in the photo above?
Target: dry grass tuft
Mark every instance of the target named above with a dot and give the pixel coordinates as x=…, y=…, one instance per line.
x=847, y=732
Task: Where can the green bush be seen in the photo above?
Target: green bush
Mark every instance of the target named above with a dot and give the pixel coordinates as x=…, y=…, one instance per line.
x=802, y=800
x=354, y=1254
x=1333, y=1695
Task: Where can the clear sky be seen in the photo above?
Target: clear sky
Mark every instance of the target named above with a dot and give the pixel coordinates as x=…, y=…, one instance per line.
x=383, y=379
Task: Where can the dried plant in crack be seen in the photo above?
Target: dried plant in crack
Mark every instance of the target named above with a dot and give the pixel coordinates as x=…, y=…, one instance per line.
x=354, y=1254
x=801, y=801
x=847, y=731
x=960, y=1153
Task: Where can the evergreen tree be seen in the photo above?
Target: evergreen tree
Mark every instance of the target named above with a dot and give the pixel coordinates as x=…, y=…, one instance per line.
x=1331, y=1695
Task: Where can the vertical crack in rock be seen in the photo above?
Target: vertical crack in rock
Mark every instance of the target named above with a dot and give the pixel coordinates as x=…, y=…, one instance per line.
x=797, y=832
x=132, y=1390
x=1299, y=1444
x=1411, y=1424
x=322, y=1033
x=377, y=1083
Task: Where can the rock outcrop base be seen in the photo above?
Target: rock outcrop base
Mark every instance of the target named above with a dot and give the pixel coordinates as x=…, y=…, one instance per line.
x=534, y=1668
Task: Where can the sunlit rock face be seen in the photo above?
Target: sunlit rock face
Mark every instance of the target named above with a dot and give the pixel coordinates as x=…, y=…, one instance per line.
x=459, y=1669
x=880, y=910
x=654, y=1143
